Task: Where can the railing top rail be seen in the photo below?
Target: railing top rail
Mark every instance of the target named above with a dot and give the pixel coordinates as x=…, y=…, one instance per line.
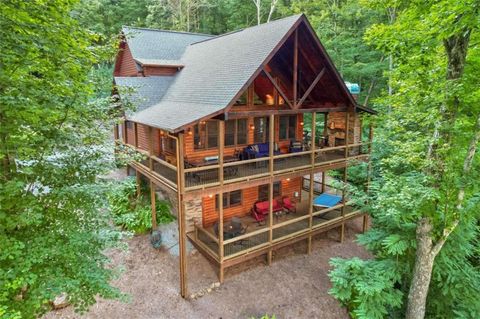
x=164, y=163
x=247, y=235
x=206, y=232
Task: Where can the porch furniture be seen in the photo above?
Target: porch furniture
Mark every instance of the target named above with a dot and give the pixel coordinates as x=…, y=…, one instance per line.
x=295, y=147
x=288, y=205
x=211, y=174
x=326, y=200
x=231, y=229
x=260, y=150
x=260, y=209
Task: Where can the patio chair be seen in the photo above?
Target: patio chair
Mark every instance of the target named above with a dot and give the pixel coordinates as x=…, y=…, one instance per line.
x=289, y=205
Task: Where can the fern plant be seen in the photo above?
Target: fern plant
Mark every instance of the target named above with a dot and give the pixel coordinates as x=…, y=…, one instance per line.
x=133, y=212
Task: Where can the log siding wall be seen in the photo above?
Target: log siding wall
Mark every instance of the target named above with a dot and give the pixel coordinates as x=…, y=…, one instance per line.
x=249, y=197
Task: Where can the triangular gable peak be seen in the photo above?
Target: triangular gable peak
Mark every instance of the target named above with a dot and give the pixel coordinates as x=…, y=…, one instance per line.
x=300, y=59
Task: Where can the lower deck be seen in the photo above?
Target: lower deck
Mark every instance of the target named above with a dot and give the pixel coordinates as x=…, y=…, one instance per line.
x=259, y=239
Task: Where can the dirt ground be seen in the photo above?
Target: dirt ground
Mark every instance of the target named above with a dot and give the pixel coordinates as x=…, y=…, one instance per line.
x=295, y=285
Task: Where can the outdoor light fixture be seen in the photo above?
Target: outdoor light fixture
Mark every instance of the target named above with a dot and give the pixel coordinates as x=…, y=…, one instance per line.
x=288, y=179
x=301, y=123
x=190, y=131
x=252, y=127
x=210, y=196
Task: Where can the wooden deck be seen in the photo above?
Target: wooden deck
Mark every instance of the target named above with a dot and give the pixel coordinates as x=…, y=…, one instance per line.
x=286, y=226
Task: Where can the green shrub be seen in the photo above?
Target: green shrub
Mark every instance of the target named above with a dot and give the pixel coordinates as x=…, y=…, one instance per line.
x=133, y=212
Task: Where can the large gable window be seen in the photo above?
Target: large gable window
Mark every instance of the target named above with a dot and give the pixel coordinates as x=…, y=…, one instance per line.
x=236, y=132
x=205, y=135
x=287, y=127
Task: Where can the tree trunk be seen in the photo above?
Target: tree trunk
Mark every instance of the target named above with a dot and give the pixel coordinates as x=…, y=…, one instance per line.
x=422, y=272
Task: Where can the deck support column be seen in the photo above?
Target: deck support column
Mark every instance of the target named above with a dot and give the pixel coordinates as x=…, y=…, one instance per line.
x=221, y=144
x=312, y=184
x=369, y=174
x=270, y=185
x=138, y=182
x=154, y=205
x=347, y=129
x=181, y=216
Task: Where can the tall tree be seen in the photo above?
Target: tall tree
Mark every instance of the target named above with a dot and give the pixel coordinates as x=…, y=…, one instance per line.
x=425, y=200
x=53, y=133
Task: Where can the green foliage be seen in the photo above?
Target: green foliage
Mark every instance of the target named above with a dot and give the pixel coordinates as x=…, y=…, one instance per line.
x=409, y=183
x=134, y=213
x=367, y=286
x=54, y=137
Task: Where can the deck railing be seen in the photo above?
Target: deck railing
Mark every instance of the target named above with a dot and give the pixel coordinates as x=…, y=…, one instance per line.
x=244, y=170
x=281, y=231
x=208, y=175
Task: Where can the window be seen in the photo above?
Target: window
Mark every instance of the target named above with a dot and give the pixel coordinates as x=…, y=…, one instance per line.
x=205, y=135
x=287, y=127
x=230, y=199
x=260, y=132
x=235, y=132
x=169, y=144
x=263, y=191
x=129, y=125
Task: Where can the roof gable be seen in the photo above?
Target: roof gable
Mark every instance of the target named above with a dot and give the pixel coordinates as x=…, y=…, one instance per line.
x=215, y=71
x=159, y=45
x=218, y=70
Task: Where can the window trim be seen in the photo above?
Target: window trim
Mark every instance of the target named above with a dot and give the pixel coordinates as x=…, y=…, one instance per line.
x=217, y=207
x=287, y=133
x=265, y=137
x=236, y=134
x=206, y=147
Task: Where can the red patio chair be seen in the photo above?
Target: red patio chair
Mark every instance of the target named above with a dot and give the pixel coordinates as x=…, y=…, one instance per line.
x=288, y=204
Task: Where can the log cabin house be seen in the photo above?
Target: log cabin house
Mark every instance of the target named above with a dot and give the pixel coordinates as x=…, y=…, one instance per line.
x=227, y=127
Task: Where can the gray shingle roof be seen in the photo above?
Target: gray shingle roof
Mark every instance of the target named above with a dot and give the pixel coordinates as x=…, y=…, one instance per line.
x=159, y=44
x=143, y=92
x=215, y=71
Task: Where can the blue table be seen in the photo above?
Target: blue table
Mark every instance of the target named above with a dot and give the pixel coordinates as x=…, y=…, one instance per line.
x=327, y=200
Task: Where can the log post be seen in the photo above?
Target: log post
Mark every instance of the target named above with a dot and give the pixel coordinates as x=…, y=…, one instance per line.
x=154, y=205
x=310, y=210
x=181, y=215
x=138, y=181
x=270, y=185
x=135, y=131
x=221, y=143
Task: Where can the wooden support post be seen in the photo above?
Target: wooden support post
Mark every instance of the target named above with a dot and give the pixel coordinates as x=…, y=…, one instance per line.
x=221, y=143
x=270, y=185
x=342, y=233
x=139, y=183
x=125, y=135
x=135, y=130
x=115, y=132
x=150, y=148
x=154, y=205
x=270, y=220
x=323, y=181
x=369, y=175
x=325, y=128
x=347, y=129
x=312, y=147
x=295, y=69
x=181, y=216
x=310, y=210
